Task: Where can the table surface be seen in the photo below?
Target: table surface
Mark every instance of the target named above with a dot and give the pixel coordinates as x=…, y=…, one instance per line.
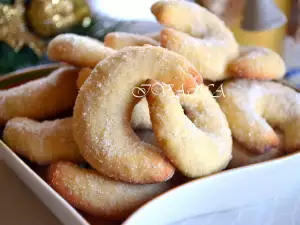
x=18, y=203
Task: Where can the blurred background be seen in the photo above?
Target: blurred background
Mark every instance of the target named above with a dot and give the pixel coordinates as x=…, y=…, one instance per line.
x=27, y=25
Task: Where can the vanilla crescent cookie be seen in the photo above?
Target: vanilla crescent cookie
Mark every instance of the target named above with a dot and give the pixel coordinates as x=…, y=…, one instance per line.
x=243, y=157
x=140, y=115
x=102, y=112
x=78, y=50
x=254, y=107
x=257, y=63
x=198, y=143
x=42, y=98
x=198, y=35
x=97, y=195
x=42, y=142
x=154, y=35
x=119, y=40
x=83, y=74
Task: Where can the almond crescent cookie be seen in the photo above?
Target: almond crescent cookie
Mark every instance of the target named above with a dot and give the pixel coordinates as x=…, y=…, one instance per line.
x=119, y=40
x=198, y=35
x=257, y=63
x=104, y=106
x=98, y=195
x=78, y=50
x=42, y=142
x=253, y=108
x=42, y=98
x=198, y=143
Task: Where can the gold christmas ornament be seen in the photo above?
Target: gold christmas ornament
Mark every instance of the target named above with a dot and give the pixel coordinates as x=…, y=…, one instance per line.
x=50, y=17
x=13, y=30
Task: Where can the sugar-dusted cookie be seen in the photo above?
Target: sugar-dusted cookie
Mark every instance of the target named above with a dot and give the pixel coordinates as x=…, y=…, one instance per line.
x=78, y=50
x=101, y=125
x=97, y=195
x=42, y=142
x=42, y=98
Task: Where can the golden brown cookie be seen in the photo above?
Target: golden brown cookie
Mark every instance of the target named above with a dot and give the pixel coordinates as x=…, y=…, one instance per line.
x=83, y=74
x=254, y=107
x=140, y=115
x=243, y=157
x=78, y=50
x=119, y=40
x=103, y=108
x=154, y=35
x=42, y=142
x=198, y=35
x=97, y=195
x=198, y=143
x=42, y=98
x=257, y=63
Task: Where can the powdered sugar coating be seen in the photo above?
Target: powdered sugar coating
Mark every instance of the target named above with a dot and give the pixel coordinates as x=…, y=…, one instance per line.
x=119, y=40
x=98, y=195
x=104, y=135
x=154, y=35
x=41, y=98
x=78, y=50
x=198, y=35
x=241, y=156
x=198, y=143
x=253, y=107
x=42, y=142
x=140, y=115
x=257, y=62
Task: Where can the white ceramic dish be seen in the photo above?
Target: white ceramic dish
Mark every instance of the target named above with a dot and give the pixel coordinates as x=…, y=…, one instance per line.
x=217, y=193
x=58, y=206
x=226, y=191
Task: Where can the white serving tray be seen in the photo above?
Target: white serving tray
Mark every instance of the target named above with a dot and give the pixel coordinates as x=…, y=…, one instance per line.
x=189, y=204
x=58, y=206
x=271, y=188
x=199, y=199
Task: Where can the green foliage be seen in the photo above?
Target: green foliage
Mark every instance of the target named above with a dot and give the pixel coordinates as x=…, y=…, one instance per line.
x=11, y=60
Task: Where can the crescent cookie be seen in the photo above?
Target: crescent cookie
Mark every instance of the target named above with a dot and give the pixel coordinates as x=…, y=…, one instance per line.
x=97, y=195
x=154, y=35
x=78, y=50
x=42, y=142
x=198, y=143
x=104, y=106
x=119, y=40
x=198, y=35
x=253, y=107
x=243, y=157
x=83, y=74
x=257, y=63
x=140, y=115
x=42, y=98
